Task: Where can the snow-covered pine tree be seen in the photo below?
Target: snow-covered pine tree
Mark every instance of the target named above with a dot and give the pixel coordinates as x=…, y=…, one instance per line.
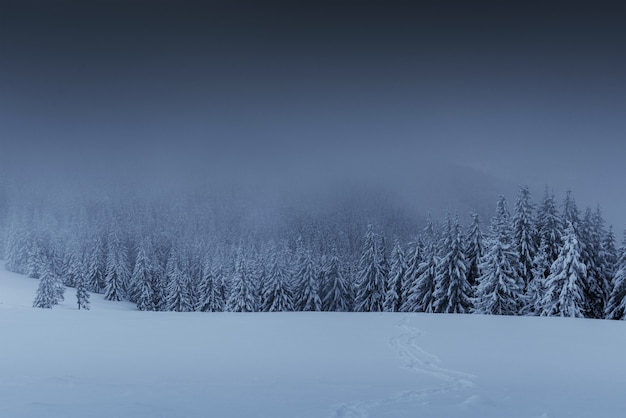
x=537, y=288
x=549, y=226
x=211, y=296
x=73, y=266
x=370, y=292
x=277, y=291
x=177, y=292
x=565, y=284
x=524, y=235
x=16, y=248
x=413, y=261
x=80, y=281
x=420, y=296
x=307, y=295
x=337, y=297
x=500, y=289
x=452, y=290
x=393, y=287
x=48, y=289
x=117, y=269
x=242, y=296
x=610, y=255
x=604, y=248
x=571, y=215
x=37, y=257
x=142, y=280
x=590, y=253
x=475, y=250
x=95, y=265
x=616, y=306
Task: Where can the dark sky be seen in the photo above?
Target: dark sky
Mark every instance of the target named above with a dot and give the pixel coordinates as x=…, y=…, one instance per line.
x=531, y=92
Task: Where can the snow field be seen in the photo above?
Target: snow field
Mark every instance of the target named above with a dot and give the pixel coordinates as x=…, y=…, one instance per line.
x=114, y=361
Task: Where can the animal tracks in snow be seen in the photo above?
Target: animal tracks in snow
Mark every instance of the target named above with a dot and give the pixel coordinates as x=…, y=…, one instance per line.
x=421, y=361
x=418, y=360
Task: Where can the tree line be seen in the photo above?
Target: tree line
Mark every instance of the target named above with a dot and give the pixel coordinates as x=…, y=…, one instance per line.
x=545, y=259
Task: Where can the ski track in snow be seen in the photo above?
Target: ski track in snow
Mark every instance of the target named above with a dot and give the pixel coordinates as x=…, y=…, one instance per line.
x=418, y=360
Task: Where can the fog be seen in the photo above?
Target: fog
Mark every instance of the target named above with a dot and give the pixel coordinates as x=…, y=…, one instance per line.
x=431, y=106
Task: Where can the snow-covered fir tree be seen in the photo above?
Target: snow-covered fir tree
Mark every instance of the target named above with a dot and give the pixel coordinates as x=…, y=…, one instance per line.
x=16, y=248
x=82, y=295
x=571, y=215
x=393, y=287
x=475, y=250
x=211, y=290
x=117, y=273
x=177, y=292
x=411, y=274
x=590, y=255
x=243, y=296
x=616, y=306
x=277, y=291
x=307, y=295
x=524, y=235
x=370, y=292
x=48, y=293
x=452, y=290
x=420, y=295
x=549, y=226
x=565, y=284
x=337, y=295
x=610, y=255
x=73, y=266
x=537, y=288
x=142, y=280
x=500, y=289
x=95, y=266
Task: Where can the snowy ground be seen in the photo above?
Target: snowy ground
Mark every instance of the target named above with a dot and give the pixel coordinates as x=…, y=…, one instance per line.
x=113, y=361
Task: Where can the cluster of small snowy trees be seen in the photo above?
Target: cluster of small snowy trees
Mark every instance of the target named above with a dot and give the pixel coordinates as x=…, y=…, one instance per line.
x=541, y=260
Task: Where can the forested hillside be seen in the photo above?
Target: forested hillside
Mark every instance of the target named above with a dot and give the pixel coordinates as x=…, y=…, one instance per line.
x=546, y=258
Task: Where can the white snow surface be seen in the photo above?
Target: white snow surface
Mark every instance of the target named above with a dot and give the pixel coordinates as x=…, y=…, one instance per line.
x=115, y=361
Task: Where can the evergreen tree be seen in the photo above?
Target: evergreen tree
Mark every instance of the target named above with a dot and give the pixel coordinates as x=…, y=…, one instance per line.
x=616, y=306
x=610, y=255
x=524, y=235
x=242, y=296
x=411, y=274
x=549, y=227
x=420, y=295
x=48, y=293
x=475, y=251
x=500, y=289
x=211, y=290
x=370, y=295
x=590, y=254
x=337, y=295
x=393, y=288
x=307, y=294
x=571, y=215
x=142, y=280
x=117, y=270
x=95, y=266
x=277, y=295
x=537, y=288
x=177, y=293
x=17, y=250
x=82, y=295
x=452, y=290
x=565, y=284
x=73, y=267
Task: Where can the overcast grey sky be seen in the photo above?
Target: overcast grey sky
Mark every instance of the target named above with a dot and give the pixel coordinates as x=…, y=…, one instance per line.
x=528, y=92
